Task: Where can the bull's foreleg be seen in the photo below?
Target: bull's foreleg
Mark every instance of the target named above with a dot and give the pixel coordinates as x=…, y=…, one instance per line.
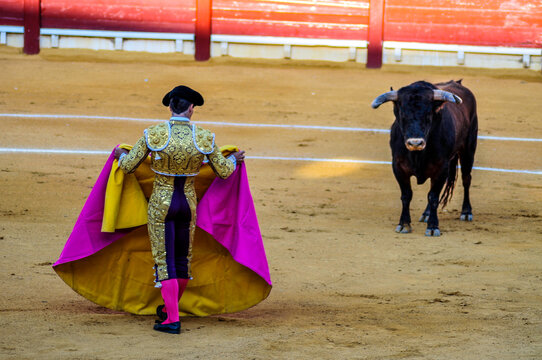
x=406, y=196
x=432, y=204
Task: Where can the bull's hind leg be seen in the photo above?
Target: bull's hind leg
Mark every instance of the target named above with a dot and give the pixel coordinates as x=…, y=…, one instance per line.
x=467, y=161
x=452, y=170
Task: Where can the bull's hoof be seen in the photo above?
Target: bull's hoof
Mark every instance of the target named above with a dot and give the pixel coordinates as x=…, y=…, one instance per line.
x=424, y=218
x=432, y=232
x=403, y=229
x=465, y=217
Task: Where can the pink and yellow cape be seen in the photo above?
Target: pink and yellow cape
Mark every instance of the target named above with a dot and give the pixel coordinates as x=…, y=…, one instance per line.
x=107, y=258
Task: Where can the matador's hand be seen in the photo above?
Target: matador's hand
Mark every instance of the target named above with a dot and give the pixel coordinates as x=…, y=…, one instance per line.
x=119, y=151
x=239, y=156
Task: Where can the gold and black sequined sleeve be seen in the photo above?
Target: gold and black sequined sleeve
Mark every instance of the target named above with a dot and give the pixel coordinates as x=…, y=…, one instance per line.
x=129, y=162
x=223, y=167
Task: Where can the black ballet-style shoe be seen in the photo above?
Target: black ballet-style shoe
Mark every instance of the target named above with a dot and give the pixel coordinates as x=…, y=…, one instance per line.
x=173, y=328
x=160, y=313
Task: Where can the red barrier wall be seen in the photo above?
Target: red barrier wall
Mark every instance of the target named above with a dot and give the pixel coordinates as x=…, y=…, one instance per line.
x=331, y=19
x=473, y=22
x=476, y=22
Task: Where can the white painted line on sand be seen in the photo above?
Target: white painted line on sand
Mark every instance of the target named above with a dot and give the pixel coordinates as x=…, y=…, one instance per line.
x=54, y=151
x=218, y=123
x=255, y=157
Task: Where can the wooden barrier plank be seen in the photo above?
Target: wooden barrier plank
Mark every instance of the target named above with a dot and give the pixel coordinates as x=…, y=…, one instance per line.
x=301, y=7
x=471, y=17
x=139, y=15
x=290, y=29
x=330, y=19
x=486, y=23
x=465, y=35
x=308, y=18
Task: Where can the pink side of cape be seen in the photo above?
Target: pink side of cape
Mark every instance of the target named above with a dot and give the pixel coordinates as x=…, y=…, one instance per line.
x=87, y=237
x=226, y=212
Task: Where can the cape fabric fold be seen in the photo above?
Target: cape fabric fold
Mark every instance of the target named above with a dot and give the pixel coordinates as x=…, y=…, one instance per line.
x=227, y=213
x=108, y=260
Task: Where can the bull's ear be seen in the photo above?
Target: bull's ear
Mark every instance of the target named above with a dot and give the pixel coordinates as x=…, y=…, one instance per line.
x=389, y=96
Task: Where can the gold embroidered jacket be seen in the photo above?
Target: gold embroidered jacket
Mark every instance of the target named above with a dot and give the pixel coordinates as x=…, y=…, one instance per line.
x=177, y=148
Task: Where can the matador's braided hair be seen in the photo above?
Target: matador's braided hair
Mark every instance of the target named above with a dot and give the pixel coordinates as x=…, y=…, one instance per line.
x=179, y=105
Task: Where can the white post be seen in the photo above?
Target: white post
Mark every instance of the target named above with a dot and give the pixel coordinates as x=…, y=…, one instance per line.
x=179, y=45
x=526, y=60
x=118, y=43
x=461, y=57
x=54, y=41
x=398, y=54
x=287, y=51
x=352, y=54
x=224, y=48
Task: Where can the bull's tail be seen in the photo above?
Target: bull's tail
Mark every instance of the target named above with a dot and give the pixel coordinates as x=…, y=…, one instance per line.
x=450, y=183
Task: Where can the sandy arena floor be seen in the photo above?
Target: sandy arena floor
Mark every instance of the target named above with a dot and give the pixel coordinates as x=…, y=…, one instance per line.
x=346, y=286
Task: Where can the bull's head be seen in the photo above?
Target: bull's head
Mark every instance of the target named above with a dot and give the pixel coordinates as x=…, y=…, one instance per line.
x=415, y=106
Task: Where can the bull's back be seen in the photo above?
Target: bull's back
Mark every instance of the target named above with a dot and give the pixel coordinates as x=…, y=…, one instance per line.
x=455, y=87
x=462, y=115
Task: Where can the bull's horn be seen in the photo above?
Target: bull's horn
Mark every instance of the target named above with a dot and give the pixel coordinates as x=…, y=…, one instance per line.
x=446, y=96
x=389, y=96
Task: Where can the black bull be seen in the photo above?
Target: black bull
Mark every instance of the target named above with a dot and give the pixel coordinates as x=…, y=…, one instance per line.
x=435, y=127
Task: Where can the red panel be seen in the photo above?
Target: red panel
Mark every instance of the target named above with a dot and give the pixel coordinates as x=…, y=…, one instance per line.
x=330, y=19
x=491, y=22
x=129, y=15
x=12, y=12
x=291, y=29
x=220, y=14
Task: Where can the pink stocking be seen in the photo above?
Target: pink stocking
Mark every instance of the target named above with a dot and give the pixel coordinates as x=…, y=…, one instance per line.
x=182, y=286
x=170, y=294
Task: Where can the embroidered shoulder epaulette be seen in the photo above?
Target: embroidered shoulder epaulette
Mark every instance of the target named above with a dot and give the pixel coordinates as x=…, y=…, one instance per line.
x=204, y=140
x=157, y=136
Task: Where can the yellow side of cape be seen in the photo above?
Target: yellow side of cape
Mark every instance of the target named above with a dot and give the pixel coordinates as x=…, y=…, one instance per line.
x=126, y=196
x=120, y=276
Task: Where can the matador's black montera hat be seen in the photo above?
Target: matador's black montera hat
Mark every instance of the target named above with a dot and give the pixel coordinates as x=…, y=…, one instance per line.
x=183, y=92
